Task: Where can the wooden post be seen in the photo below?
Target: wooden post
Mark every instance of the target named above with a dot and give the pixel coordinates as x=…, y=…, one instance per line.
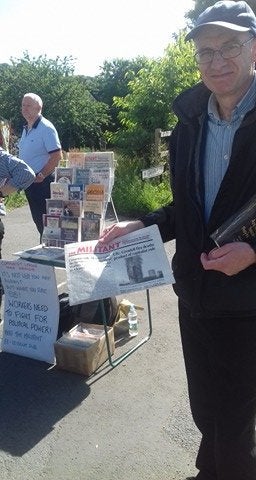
x=157, y=141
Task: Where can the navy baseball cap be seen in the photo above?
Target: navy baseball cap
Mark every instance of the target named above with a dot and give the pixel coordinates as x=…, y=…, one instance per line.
x=237, y=16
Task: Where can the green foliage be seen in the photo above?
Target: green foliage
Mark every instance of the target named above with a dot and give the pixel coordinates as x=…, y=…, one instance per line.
x=68, y=103
x=113, y=82
x=15, y=200
x=147, y=106
x=133, y=196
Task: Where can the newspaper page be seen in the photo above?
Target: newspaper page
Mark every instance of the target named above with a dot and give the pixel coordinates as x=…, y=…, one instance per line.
x=46, y=255
x=133, y=262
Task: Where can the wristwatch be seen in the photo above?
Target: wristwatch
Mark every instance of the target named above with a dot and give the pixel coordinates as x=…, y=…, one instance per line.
x=41, y=175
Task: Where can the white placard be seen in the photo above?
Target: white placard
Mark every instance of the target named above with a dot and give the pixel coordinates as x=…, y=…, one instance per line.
x=31, y=309
x=153, y=172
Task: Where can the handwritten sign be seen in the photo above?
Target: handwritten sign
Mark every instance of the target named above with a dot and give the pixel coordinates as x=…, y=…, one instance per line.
x=31, y=309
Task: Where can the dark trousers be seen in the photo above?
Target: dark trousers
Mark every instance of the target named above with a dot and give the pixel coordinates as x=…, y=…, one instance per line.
x=220, y=361
x=1, y=239
x=36, y=195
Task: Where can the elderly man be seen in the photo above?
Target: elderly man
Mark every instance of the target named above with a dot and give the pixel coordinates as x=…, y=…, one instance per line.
x=40, y=148
x=213, y=164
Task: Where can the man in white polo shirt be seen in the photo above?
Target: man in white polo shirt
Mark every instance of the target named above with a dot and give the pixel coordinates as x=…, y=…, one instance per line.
x=40, y=148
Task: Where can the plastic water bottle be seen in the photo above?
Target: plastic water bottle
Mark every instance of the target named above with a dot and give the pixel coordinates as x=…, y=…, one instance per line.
x=133, y=321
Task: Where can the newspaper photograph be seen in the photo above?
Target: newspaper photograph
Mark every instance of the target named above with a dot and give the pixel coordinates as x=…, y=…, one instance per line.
x=133, y=262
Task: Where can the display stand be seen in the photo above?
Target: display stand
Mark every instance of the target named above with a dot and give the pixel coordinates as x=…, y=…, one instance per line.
x=122, y=357
x=113, y=207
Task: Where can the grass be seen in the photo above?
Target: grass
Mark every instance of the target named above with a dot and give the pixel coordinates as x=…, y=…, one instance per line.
x=133, y=196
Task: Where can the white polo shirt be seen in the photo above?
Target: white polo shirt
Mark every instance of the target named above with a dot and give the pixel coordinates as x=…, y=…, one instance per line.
x=37, y=143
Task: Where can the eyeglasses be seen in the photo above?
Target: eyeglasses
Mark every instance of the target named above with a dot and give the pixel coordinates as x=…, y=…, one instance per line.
x=226, y=52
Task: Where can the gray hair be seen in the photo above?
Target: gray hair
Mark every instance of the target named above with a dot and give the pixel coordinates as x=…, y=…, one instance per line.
x=35, y=97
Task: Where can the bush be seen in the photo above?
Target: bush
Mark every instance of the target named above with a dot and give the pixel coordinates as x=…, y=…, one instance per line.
x=15, y=200
x=133, y=196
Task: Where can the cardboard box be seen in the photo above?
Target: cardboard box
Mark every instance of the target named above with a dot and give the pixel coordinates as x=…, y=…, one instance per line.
x=83, y=349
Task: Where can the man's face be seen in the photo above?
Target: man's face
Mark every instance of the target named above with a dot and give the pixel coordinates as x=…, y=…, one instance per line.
x=30, y=109
x=226, y=77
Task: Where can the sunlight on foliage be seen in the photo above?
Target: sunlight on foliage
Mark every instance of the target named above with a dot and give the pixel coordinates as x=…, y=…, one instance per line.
x=133, y=196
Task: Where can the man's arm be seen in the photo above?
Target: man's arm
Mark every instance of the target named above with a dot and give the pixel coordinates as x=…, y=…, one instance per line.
x=53, y=161
x=15, y=174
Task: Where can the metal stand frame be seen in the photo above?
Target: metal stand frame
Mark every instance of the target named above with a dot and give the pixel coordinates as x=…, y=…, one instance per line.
x=122, y=357
x=113, y=207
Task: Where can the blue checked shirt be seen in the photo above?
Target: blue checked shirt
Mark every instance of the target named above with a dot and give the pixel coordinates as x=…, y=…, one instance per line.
x=220, y=136
x=14, y=171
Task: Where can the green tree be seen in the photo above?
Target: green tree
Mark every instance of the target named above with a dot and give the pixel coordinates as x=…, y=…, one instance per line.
x=77, y=115
x=113, y=82
x=147, y=106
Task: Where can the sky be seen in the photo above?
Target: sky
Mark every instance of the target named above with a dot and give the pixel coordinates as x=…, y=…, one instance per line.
x=89, y=31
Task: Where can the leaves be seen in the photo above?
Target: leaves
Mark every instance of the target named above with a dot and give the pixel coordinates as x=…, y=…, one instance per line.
x=147, y=105
x=68, y=103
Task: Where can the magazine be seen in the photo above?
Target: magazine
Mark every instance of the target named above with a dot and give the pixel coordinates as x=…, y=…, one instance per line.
x=97, y=157
x=82, y=176
x=70, y=229
x=73, y=208
x=64, y=175
x=59, y=191
x=240, y=227
x=93, y=207
x=95, y=192
x=54, y=206
x=76, y=159
x=90, y=228
x=52, y=221
x=136, y=261
x=75, y=191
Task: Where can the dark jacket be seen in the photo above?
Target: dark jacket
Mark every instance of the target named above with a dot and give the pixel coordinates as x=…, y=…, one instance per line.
x=206, y=293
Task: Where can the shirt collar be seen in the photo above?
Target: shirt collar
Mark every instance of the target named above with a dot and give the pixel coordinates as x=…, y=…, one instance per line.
x=36, y=122
x=246, y=103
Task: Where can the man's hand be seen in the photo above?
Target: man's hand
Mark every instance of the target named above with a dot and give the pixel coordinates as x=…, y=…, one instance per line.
x=119, y=229
x=39, y=178
x=230, y=259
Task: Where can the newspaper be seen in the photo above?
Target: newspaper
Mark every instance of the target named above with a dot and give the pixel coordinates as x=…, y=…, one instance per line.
x=46, y=255
x=136, y=261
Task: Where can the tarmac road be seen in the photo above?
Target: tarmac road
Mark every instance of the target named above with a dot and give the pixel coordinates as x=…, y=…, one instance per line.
x=131, y=422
